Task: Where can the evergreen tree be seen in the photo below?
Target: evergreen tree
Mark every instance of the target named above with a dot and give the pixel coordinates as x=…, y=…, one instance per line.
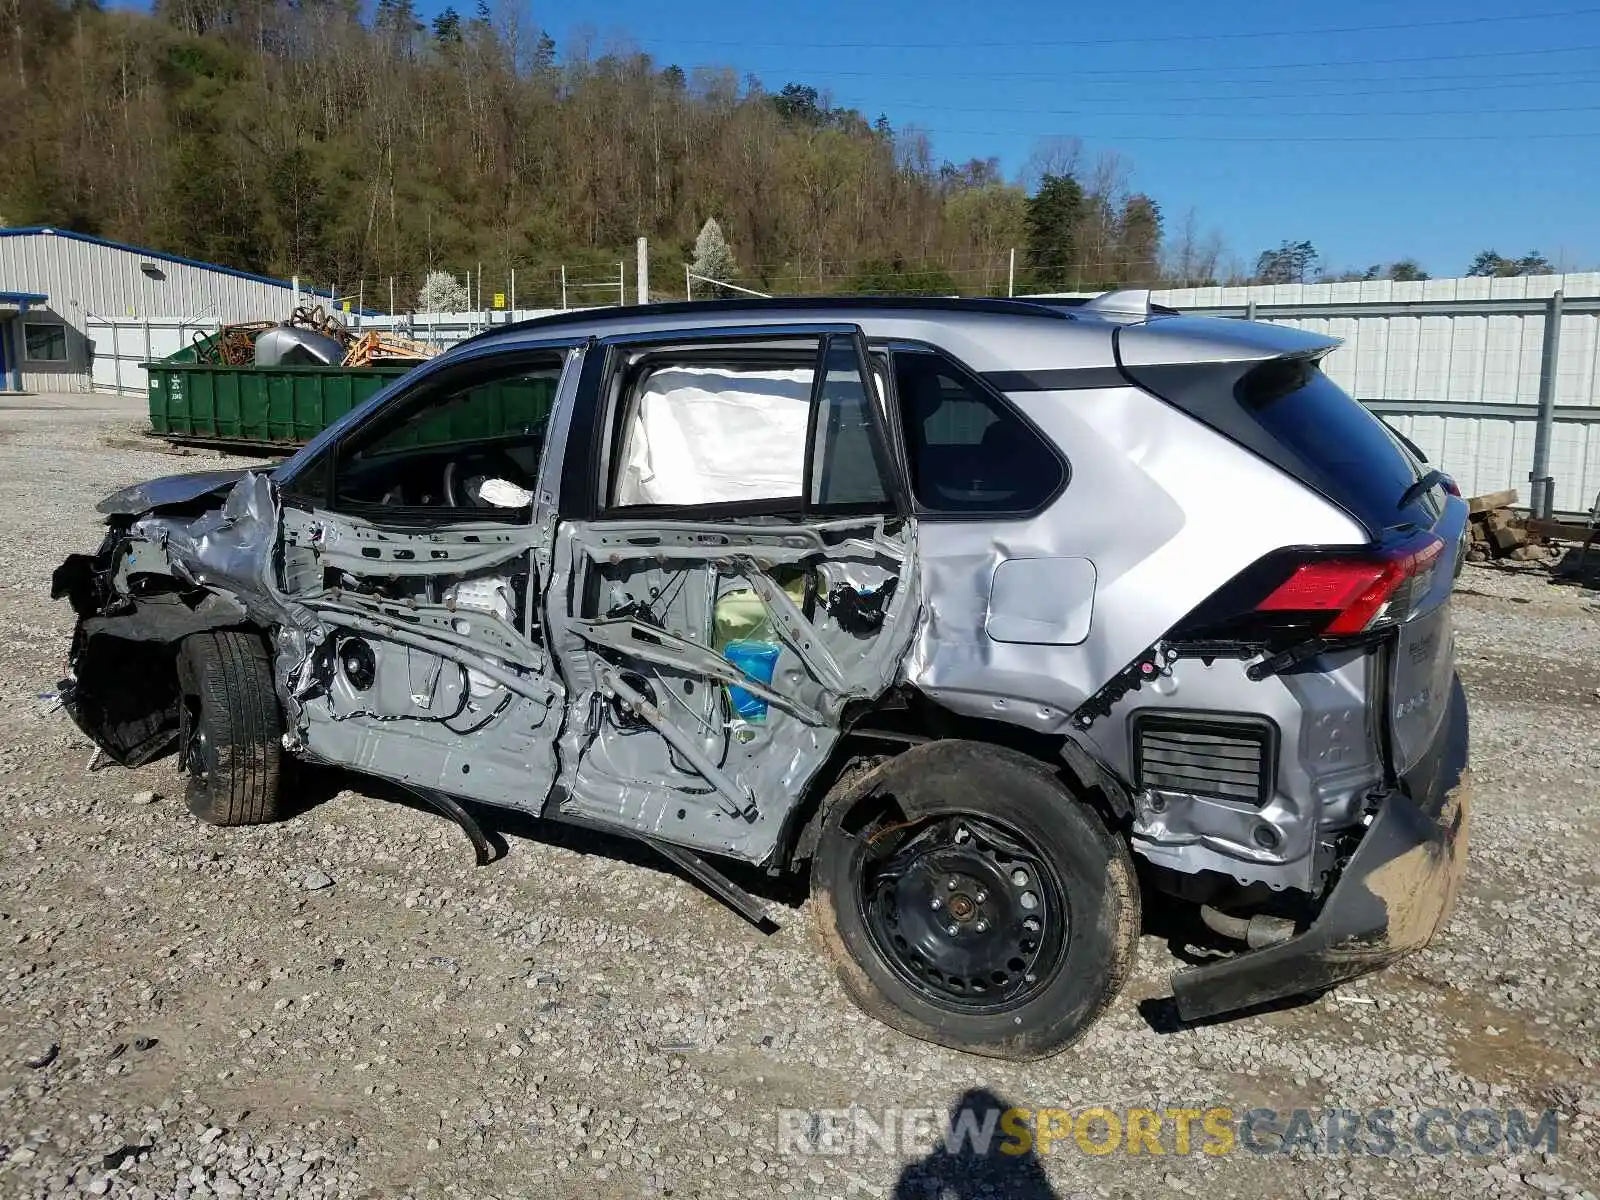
x=1139, y=240
x=1055, y=215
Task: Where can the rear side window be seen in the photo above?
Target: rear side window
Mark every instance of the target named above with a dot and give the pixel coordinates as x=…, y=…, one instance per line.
x=967, y=450
x=1357, y=461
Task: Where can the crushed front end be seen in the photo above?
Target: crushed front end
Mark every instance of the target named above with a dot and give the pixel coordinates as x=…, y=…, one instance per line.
x=178, y=558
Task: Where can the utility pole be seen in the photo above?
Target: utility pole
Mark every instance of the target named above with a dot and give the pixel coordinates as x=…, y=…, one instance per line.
x=1011, y=274
x=563, y=287
x=622, y=282
x=644, y=270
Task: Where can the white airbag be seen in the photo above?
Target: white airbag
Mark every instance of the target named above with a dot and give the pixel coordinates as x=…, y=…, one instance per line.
x=707, y=435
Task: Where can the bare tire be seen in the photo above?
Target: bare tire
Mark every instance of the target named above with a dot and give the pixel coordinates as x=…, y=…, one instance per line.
x=230, y=728
x=966, y=897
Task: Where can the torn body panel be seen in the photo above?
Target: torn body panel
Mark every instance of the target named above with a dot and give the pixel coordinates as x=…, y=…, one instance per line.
x=712, y=666
x=169, y=491
x=155, y=580
x=1394, y=894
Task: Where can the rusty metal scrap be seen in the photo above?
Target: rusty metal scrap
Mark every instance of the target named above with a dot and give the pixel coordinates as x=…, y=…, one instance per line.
x=321, y=321
x=233, y=346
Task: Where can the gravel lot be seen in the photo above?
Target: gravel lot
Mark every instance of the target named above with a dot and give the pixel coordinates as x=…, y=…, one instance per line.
x=343, y=1005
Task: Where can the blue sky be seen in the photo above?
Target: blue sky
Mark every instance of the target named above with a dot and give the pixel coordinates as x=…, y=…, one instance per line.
x=1376, y=130
x=994, y=78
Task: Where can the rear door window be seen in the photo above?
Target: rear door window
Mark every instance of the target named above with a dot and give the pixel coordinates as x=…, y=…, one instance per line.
x=780, y=425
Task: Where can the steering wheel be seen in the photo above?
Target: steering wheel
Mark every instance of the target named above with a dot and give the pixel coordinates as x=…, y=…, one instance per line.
x=465, y=475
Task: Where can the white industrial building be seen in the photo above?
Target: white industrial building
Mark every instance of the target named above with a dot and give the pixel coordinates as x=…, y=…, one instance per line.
x=59, y=290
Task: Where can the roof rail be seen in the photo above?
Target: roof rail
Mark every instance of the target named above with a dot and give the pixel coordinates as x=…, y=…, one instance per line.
x=1016, y=307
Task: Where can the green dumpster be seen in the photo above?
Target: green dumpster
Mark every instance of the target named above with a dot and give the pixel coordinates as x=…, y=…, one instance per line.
x=285, y=407
x=272, y=406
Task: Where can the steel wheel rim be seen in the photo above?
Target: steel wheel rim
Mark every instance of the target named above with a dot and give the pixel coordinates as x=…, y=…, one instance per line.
x=197, y=754
x=965, y=911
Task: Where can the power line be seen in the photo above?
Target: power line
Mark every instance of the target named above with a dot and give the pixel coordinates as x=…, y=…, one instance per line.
x=1543, y=80
x=1145, y=39
x=1073, y=73
x=1296, y=139
x=1438, y=112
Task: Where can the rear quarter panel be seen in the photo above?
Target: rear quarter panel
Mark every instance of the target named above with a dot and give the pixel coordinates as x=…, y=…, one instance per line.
x=1165, y=509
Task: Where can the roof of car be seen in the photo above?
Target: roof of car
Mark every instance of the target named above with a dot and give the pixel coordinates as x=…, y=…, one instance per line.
x=1024, y=334
x=1053, y=307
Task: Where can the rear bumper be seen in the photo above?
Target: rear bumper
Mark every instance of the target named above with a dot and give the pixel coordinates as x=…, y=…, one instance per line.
x=1394, y=895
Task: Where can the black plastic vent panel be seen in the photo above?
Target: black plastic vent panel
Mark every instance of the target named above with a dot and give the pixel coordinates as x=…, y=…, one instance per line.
x=1226, y=758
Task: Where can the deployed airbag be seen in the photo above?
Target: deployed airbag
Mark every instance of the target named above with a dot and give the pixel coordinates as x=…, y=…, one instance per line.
x=708, y=435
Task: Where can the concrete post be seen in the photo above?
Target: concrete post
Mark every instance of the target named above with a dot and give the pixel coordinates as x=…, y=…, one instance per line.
x=1541, y=499
x=644, y=270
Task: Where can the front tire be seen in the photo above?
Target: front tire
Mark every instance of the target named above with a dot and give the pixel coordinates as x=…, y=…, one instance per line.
x=966, y=897
x=230, y=728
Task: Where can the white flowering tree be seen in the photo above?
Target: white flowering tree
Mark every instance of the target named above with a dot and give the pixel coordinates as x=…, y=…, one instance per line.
x=713, y=258
x=443, y=293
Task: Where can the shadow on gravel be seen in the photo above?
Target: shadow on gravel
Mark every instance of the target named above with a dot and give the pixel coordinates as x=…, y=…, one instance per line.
x=316, y=785
x=1579, y=566
x=965, y=1168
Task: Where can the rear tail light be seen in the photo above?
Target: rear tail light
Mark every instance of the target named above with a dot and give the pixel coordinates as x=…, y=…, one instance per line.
x=1355, y=594
x=1294, y=595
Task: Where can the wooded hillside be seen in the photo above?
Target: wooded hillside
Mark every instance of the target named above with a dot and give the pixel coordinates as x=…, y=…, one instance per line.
x=352, y=145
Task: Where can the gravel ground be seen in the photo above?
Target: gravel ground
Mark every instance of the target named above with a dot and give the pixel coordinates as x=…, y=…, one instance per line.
x=343, y=1005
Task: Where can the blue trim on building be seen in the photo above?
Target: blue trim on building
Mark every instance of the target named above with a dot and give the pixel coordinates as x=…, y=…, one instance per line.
x=51, y=231
x=23, y=298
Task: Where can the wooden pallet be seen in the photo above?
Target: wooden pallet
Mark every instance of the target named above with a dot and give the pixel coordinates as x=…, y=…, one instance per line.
x=374, y=346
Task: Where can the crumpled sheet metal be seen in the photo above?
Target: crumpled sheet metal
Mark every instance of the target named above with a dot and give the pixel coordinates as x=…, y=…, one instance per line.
x=166, y=491
x=229, y=550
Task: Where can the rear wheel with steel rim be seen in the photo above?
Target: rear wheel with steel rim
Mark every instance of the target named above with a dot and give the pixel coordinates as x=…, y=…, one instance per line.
x=966, y=911
x=966, y=896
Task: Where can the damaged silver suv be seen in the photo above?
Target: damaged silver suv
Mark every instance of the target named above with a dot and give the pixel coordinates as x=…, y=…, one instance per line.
x=958, y=608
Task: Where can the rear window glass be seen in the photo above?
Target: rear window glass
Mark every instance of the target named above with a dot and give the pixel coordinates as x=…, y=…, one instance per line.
x=1359, y=463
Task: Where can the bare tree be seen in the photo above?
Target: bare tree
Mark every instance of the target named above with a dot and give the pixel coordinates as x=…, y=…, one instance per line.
x=1054, y=155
